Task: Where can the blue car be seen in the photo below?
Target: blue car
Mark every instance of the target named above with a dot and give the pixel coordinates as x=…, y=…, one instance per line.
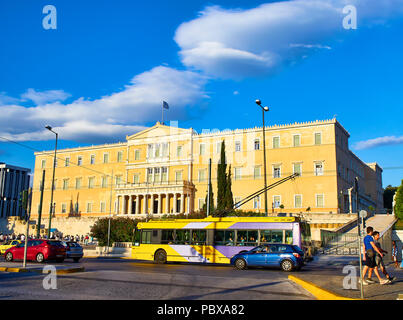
x=286, y=256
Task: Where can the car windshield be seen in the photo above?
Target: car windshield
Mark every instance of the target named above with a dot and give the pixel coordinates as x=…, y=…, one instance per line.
x=56, y=243
x=74, y=245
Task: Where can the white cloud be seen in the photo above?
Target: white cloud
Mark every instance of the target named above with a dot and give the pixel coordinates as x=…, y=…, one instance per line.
x=112, y=116
x=378, y=142
x=42, y=97
x=236, y=43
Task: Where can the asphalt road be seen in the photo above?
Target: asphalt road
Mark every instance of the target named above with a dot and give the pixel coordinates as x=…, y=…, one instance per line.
x=130, y=279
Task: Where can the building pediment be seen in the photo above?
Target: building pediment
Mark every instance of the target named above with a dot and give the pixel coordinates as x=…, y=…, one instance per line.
x=157, y=131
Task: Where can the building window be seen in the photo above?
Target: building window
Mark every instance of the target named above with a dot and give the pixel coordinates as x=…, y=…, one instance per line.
x=237, y=146
x=276, y=142
x=256, y=172
x=276, y=201
x=104, y=183
x=64, y=208
x=136, y=178
x=78, y=183
x=178, y=176
x=164, y=171
x=65, y=184
x=297, y=140
x=179, y=151
x=150, y=151
x=276, y=171
x=257, y=144
x=202, y=175
x=55, y=162
x=79, y=160
x=137, y=155
x=256, y=202
x=318, y=169
x=106, y=157
x=67, y=162
x=297, y=168
x=102, y=207
x=89, y=207
x=92, y=159
x=237, y=173
x=149, y=175
x=320, y=200
x=236, y=200
x=165, y=149
x=120, y=156
x=43, y=164
x=318, y=138
x=91, y=181
x=202, y=149
x=157, y=174
x=298, y=201
x=118, y=180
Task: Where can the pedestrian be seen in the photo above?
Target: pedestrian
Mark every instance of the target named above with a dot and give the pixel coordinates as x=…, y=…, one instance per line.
x=368, y=252
x=378, y=259
x=394, y=254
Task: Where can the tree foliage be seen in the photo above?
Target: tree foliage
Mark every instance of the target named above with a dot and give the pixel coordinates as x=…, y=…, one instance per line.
x=121, y=230
x=388, y=194
x=399, y=202
x=221, y=179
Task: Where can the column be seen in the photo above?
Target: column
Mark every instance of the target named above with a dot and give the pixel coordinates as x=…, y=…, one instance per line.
x=167, y=203
x=159, y=203
x=145, y=204
x=137, y=204
x=124, y=205
x=182, y=203
x=130, y=205
x=175, y=203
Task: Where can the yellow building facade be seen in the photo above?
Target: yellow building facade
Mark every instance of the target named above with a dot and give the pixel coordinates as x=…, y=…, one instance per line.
x=164, y=170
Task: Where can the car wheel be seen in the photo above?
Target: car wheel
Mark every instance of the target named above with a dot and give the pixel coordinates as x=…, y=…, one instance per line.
x=40, y=258
x=9, y=257
x=76, y=259
x=160, y=257
x=240, y=264
x=286, y=265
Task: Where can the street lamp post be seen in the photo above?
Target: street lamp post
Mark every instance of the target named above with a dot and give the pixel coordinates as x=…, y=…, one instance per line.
x=53, y=182
x=264, y=109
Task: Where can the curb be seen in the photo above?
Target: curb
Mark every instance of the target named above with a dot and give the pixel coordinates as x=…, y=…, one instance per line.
x=318, y=292
x=37, y=270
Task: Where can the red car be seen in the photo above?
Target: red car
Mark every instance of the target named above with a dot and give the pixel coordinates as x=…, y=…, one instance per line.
x=38, y=250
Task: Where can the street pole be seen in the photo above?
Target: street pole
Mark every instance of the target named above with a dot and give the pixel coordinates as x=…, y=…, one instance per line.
x=110, y=211
x=28, y=215
x=208, y=188
x=264, y=166
x=40, y=206
x=359, y=236
x=53, y=185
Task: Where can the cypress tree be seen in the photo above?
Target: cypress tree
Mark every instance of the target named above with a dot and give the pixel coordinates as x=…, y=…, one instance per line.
x=211, y=200
x=229, y=199
x=221, y=179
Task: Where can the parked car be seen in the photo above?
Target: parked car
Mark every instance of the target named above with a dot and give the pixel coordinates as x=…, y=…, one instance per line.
x=73, y=250
x=39, y=250
x=287, y=257
x=9, y=244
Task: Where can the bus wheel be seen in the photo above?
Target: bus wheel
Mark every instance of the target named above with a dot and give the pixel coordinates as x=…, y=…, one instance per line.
x=160, y=257
x=240, y=264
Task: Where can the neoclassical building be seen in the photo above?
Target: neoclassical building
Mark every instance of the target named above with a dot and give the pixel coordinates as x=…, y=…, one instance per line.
x=164, y=169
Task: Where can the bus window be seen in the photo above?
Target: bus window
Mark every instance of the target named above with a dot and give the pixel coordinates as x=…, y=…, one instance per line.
x=265, y=236
x=224, y=237
x=199, y=237
x=136, y=238
x=288, y=236
x=182, y=236
x=247, y=237
x=277, y=236
x=167, y=236
x=146, y=236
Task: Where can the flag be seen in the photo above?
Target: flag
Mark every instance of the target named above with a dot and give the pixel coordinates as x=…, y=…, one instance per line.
x=165, y=105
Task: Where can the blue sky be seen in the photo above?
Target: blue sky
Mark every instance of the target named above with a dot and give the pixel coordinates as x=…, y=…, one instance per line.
x=104, y=71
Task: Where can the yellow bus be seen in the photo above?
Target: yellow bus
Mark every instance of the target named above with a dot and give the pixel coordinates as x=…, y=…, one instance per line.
x=213, y=240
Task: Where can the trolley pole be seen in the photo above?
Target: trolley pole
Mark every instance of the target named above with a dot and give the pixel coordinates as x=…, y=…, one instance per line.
x=208, y=189
x=110, y=212
x=40, y=205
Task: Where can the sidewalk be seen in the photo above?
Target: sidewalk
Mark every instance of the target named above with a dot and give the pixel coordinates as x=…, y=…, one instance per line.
x=326, y=272
x=38, y=268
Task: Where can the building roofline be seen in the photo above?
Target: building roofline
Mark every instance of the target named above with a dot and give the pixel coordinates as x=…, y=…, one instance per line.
x=9, y=166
